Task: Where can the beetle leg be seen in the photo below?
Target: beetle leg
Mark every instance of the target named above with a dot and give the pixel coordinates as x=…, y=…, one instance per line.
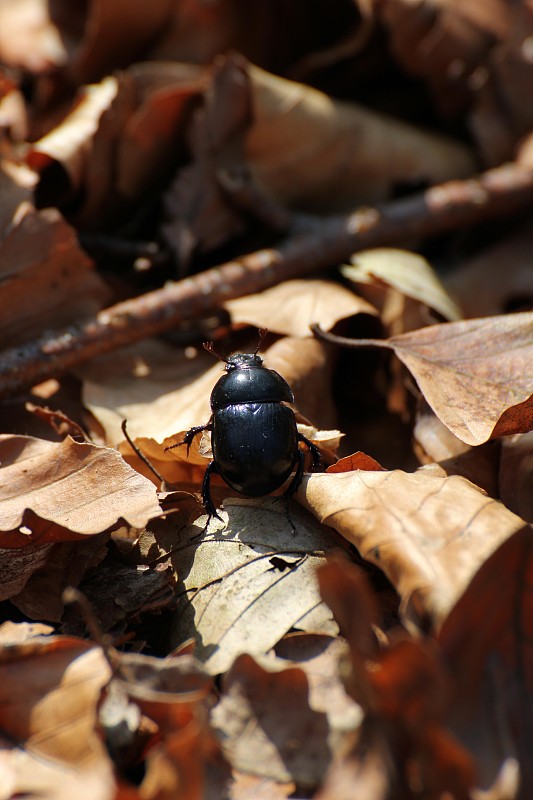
x=189, y=436
x=298, y=475
x=206, y=492
x=315, y=452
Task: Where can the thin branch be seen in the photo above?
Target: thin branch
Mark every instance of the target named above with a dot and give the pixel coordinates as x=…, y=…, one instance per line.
x=457, y=204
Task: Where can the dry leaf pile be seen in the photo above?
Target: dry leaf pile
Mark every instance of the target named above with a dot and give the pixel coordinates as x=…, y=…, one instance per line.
x=357, y=177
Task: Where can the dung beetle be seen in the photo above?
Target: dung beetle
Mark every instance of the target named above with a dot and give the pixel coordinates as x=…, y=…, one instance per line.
x=254, y=437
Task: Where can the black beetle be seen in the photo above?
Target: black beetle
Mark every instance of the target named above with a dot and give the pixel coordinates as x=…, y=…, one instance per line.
x=254, y=437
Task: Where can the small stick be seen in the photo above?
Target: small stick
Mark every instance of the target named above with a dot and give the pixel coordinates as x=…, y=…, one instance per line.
x=323, y=243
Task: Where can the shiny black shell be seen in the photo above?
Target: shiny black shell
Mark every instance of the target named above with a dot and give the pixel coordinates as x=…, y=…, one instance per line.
x=255, y=446
x=247, y=381
x=254, y=436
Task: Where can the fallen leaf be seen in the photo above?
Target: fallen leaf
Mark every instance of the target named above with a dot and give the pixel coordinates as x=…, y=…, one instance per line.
x=290, y=307
x=50, y=688
x=21, y=632
x=428, y=534
x=266, y=725
x=49, y=478
x=29, y=37
x=445, y=43
x=352, y=154
x=402, y=689
x=235, y=581
x=46, y=278
x=408, y=273
x=475, y=374
x=486, y=643
x=66, y=564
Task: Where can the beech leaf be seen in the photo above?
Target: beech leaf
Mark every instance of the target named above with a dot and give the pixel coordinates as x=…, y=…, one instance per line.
x=477, y=375
x=84, y=488
x=428, y=534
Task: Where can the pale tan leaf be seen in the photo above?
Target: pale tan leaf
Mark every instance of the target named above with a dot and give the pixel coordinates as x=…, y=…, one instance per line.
x=69, y=142
x=290, y=307
x=407, y=272
x=477, y=375
x=428, y=534
x=49, y=689
x=84, y=488
x=28, y=36
x=267, y=725
x=253, y=580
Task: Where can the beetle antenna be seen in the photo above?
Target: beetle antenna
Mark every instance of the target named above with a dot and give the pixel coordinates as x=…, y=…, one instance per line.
x=263, y=332
x=210, y=347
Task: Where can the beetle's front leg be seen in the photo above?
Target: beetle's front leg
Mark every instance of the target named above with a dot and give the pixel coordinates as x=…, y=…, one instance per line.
x=189, y=436
x=206, y=492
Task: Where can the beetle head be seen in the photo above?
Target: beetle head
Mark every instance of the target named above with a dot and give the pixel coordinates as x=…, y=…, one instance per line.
x=242, y=361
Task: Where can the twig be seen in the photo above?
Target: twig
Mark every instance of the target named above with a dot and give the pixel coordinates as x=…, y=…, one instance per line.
x=449, y=206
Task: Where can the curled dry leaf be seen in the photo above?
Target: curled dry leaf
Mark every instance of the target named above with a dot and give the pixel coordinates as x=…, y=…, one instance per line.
x=255, y=122
x=290, y=307
x=486, y=641
x=183, y=758
x=445, y=42
x=351, y=154
x=267, y=726
x=16, y=193
x=29, y=37
x=475, y=374
x=415, y=528
x=81, y=487
x=121, y=138
x=49, y=690
x=46, y=280
x=248, y=581
x=408, y=273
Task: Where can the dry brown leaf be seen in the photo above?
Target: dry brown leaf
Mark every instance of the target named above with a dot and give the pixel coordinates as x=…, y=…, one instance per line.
x=21, y=632
x=16, y=192
x=428, y=534
x=183, y=760
x=245, y=582
x=486, y=640
x=499, y=279
x=267, y=726
x=120, y=139
x=29, y=37
x=351, y=154
x=50, y=688
x=408, y=273
x=290, y=307
x=100, y=49
x=255, y=122
x=402, y=689
x=46, y=280
x=69, y=142
x=445, y=42
x=65, y=566
x=476, y=374
x=84, y=488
